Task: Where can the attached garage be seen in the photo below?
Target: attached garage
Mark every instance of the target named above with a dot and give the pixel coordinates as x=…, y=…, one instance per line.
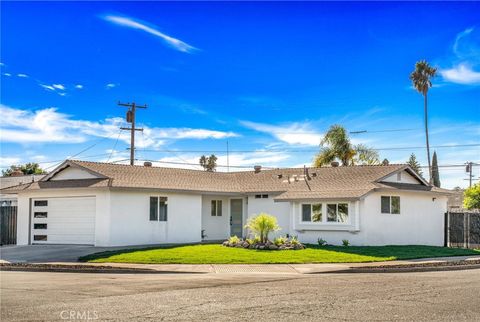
x=63, y=220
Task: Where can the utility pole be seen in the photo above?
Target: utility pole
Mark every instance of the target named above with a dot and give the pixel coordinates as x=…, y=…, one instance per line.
x=228, y=159
x=469, y=169
x=130, y=117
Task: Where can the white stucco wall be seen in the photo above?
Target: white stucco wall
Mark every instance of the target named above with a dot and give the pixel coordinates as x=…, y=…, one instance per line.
x=281, y=210
x=130, y=219
x=405, y=177
x=73, y=174
x=420, y=222
x=215, y=227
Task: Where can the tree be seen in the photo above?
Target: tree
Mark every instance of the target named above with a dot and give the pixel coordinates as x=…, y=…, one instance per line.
x=208, y=163
x=336, y=145
x=435, y=172
x=262, y=225
x=421, y=80
x=365, y=155
x=471, y=197
x=413, y=163
x=26, y=169
x=385, y=162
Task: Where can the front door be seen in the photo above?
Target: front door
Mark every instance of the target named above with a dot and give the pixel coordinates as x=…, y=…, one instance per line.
x=236, y=214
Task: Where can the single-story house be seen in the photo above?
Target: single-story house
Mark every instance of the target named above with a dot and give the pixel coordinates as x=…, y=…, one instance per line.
x=107, y=204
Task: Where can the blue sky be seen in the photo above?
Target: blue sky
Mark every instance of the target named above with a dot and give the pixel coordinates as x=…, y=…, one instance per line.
x=269, y=78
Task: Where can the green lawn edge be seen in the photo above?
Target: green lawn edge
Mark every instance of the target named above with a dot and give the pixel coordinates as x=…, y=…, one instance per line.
x=218, y=254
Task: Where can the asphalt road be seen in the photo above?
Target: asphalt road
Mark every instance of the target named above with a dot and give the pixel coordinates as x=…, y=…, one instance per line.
x=427, y=296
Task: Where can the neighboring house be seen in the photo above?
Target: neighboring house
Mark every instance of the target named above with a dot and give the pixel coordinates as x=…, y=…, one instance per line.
x=111, y=205
x=10, y=181
x=455, y=200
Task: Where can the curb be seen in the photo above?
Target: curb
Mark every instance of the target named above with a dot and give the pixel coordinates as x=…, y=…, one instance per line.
x=27, y=267
x=407, y=268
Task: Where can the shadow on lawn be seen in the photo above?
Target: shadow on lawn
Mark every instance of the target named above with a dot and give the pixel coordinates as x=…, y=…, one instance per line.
x=399, y=252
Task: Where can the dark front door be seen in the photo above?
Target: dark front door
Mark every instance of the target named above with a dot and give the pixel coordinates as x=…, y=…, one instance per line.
x=236, y=214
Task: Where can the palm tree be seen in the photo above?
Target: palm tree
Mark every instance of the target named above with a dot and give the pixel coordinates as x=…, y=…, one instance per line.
x=336, y=145
x=421, y=80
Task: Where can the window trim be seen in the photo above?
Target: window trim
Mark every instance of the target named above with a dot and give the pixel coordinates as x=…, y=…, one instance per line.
x=324, y=220
x=159, y=216
x=218, y=208
x=390, y=198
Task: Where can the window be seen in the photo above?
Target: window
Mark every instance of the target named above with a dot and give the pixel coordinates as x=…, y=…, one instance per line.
x=216, y=207
x=39, y=226
x=37, y=214
x=261, y=196
x=40, y=203
x=390, y=204
x=40, y=237
x=337, y=212
x=312, y=212
x=158, y=208
x=153, y=208
x=264, y=196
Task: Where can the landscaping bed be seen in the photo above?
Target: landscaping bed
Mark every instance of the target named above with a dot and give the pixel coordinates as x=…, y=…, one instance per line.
x=218, y=254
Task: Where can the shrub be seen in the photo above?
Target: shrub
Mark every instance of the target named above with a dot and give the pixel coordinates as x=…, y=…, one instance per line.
x=263, y=224
x=321, y=242
x=280, y=240
x=472, y=197
x=294, y=241
x=345, y=242
x=233, y=240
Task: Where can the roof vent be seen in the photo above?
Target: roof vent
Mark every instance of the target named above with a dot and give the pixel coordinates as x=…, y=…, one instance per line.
x=334, y=164
x=147, y=164
x=257, y=168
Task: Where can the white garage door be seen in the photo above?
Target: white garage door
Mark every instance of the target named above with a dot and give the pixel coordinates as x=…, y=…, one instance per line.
x=63, y=220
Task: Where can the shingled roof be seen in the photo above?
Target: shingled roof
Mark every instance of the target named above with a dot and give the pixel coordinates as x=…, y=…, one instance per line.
x=289, y=183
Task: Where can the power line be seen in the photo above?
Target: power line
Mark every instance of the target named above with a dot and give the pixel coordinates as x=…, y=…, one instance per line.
x=306, y=150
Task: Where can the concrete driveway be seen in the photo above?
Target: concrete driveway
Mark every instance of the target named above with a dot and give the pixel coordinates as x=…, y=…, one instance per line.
x=48, y=253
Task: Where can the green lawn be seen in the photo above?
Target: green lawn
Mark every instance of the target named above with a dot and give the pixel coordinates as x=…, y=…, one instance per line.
x=217, y=254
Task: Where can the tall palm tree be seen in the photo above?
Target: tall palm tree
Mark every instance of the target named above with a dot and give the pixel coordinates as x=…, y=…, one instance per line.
x=336, y=145
x=421, y=80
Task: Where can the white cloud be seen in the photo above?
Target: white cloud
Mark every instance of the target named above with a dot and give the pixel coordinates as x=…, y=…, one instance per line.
x=2, y=64
x=110, y=85
x=295, y=133
x=461, y=74
x=59, y=86
x=6, y=162
x=49, y=125
x=48, y=87
x=22, y=75
x=136, y=24
x=458, y=41
x=79, y=86
x=7, y=74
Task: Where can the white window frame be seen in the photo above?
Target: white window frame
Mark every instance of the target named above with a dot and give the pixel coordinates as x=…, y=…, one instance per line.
x=158, y=207
x=324, y=212
x=311, y=204
x=216, y=201
x=390, y=205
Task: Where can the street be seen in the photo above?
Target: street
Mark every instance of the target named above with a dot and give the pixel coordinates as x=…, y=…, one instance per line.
x=427, y=296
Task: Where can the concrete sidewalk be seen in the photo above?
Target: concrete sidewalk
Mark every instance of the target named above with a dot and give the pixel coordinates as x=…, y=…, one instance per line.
x=469, y=261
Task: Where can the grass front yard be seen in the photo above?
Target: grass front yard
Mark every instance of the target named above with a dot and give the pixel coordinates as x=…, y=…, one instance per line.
x=217, y=254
